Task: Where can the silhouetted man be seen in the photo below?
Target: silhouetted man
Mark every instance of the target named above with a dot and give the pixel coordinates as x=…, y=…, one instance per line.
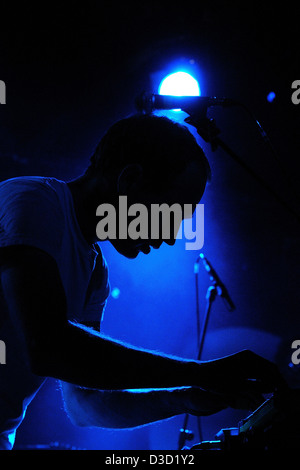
x=54, y=287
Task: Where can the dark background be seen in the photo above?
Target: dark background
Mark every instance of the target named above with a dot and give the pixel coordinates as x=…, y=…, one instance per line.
x=70, y=72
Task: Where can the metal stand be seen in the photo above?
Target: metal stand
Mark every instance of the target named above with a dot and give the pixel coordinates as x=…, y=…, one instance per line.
x=211, y=294
x=209, y=132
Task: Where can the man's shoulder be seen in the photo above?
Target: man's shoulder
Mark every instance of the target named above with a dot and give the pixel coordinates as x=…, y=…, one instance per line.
x=22, y=184
x=32, y=214
x=30, y=205
x=32, y=192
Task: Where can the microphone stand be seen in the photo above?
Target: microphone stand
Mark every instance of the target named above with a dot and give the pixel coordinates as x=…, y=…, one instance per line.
x=211, y=294
x=207, y=129
x=209, y=132
x=216, y=288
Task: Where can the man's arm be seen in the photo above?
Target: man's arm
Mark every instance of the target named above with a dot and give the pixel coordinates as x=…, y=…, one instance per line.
x=57, y=348
x=133, y=408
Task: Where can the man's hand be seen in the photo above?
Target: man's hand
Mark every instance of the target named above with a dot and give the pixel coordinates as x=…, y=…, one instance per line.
x=199, y=402
x=240, y=379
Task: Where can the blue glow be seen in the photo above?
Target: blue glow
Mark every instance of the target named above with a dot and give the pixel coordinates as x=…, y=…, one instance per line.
x=179, y=84
x=11, y=438
x=271, y=96
x=115, y=293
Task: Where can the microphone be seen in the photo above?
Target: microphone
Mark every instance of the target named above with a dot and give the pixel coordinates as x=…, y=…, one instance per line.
x=222, y=291
x=148, y=102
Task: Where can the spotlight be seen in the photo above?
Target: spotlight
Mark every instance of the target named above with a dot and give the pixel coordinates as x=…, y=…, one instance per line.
x=271, y=96
x=179, y=84
x=115, y=293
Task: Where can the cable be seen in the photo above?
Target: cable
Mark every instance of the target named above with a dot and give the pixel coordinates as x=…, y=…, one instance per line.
x=275, y=155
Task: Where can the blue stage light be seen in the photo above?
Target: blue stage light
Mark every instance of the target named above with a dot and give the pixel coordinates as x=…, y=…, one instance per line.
x=115, y=293
x=179, y=84
x=271, y=96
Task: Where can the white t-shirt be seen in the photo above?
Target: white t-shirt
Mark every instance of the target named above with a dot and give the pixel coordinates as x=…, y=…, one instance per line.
x=39, y=212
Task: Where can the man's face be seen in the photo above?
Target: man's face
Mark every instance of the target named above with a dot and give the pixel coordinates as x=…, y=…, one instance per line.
x=185, y=191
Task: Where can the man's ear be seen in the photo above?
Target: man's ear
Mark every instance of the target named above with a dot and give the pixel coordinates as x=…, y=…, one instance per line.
x=130, y=178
